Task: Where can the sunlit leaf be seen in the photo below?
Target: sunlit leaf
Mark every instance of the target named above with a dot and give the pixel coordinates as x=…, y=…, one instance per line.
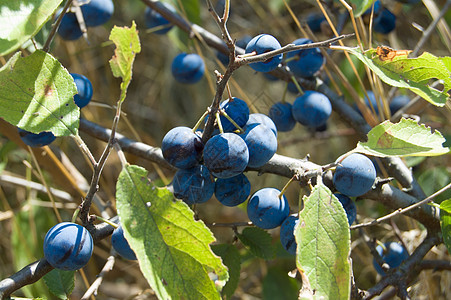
x=127, y=46
x=445, y=222
x=323, y=240
x=36, y=94
x=415, y=74
x=22, y=19
x=172, y=248
x=405, y=138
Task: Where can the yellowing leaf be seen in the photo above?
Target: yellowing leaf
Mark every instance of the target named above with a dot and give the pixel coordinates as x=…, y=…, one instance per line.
x=127, y=46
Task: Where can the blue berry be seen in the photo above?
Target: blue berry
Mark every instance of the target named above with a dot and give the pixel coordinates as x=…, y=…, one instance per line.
x=155, y=19
x=262, y=144
x=188, y=68
x=36, y=140
x=304, y=63
x=84, y=90
x=312, y=109
x=398, y=102
x=394, y=255
x=121, y=245
x=314, y=21
x=282, y=115
x=287, y=234
x=385, y=22
x=258, y=118
x=236, y=109
x=194, y=185
x=232, y=191
x=97, y=12
x=261, y=44
x=355, y=176
x=292, y=88
x=226, y=155
x=69, y=28
x=349, y=206
x=68, y=246
x=266, y=210
x=182, y=148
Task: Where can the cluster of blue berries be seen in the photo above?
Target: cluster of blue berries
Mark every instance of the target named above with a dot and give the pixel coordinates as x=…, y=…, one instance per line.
x=216, y=168
x=95, y=13
x=81, y=99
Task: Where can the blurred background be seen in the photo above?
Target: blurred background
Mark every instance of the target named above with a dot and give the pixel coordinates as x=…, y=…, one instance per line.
x=156, y=103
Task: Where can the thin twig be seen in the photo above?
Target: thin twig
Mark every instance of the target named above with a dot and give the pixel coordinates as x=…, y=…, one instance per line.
x=55, y=27
x=96, y=284
x=402, y=210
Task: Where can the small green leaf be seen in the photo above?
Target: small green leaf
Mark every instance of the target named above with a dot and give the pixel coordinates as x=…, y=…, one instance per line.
x=127, y=46
x=414, y=74
x=21, y=20
x=405, y=138
x=360, y=6
x=60, y=283
x=278, y=285
x=36, y=94
x=231, y=258
x=446, y=206
x=323, y=240
x=172, y=248
x=445, y=222
x=258, y=241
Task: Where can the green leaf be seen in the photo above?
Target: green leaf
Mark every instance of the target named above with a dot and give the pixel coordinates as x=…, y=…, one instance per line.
x=445, y=222
x=405, y=138
x=172, y=248
x=433, y=179
x=360, y=6
x=231, y=258
x=127, y=46
x=36, y=94
x=21, y=20
x=446, y=206
x=323, y=240
x=258, y=241
x=192, y=9
x=278, y=285
x=60, y=283
x=414, y=74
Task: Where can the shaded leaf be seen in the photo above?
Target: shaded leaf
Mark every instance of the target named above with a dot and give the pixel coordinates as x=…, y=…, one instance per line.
x=414, y=74
x=192, y=9
x=323, y=240
x=433, y=179
x=60, y=283
x=231, y=258
x=172, y=248
x=360, y=6
x=445, y=222
x=21, y=20
x=278, y=285
x=36, y=94
x=127, y=46
x=405, y=138
x=258, y=241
